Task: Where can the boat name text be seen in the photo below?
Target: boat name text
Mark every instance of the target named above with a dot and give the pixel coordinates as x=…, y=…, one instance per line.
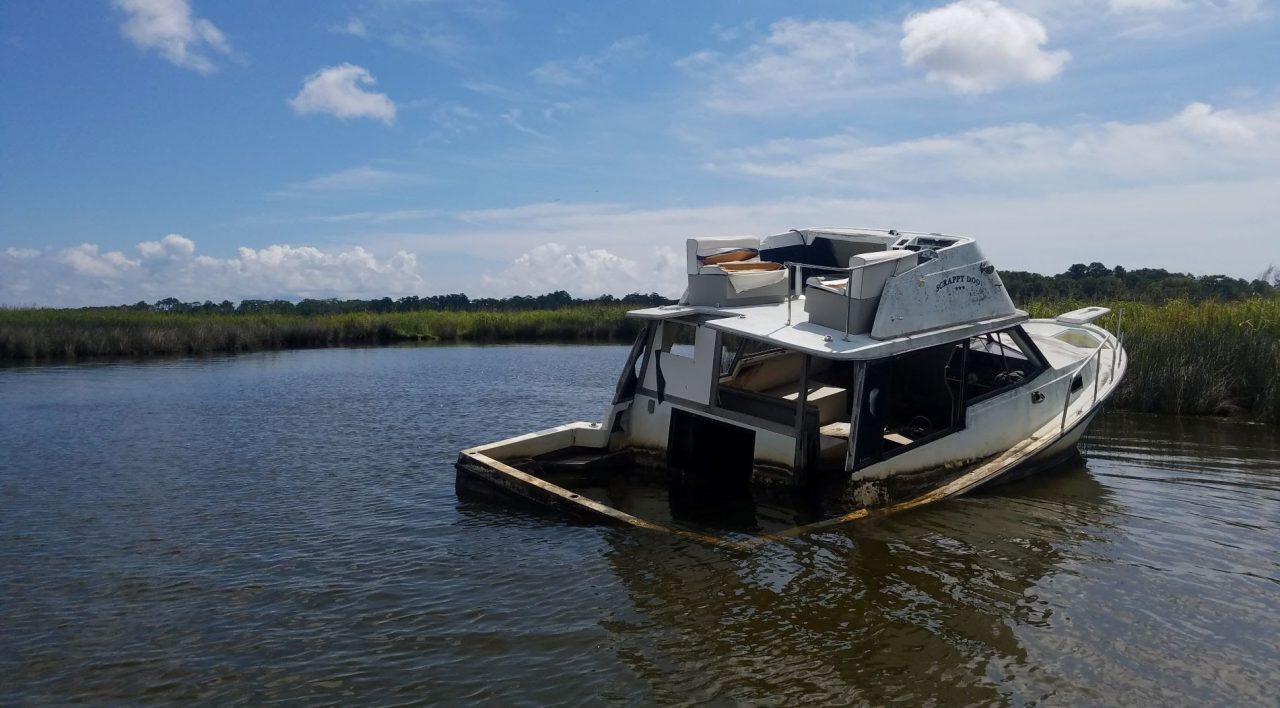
x=957, y=280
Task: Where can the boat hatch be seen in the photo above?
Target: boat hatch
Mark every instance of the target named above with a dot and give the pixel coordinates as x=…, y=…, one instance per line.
x=1084, y=315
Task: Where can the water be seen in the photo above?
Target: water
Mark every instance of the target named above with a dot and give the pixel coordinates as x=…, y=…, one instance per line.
x=284, y=526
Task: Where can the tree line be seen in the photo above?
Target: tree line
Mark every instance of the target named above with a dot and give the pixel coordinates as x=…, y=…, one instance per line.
x=454, y=302
x=1153, y=285
x=1080, y=281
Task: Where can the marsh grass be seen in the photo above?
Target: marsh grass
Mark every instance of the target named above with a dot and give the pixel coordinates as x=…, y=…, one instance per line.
x=40, y=335
x=1205, y=358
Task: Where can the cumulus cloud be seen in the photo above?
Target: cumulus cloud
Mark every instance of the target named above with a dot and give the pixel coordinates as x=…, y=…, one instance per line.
x=170, y=267
x=171, y=247
x=978, y=46
x=169, y=28
x=1207, y=226
x=1197, y=142
x=86, y=259
x=585, y=272
x=588, y=67
x=813, y=63
x=337, y=91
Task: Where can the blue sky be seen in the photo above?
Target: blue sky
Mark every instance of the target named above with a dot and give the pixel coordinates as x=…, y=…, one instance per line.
x=211, y=150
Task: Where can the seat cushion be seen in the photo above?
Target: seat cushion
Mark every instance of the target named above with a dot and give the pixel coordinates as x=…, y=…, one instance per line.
x=742, y=266
x=728, y=255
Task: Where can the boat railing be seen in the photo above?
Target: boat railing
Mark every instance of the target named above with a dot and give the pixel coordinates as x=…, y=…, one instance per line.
x=796, y=286
x=1095, y=358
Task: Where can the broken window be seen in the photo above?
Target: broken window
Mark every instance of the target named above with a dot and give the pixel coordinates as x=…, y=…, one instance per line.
x=922, y=396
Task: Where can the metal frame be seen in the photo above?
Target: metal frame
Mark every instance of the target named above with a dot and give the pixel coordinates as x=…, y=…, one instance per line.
x=793, y=292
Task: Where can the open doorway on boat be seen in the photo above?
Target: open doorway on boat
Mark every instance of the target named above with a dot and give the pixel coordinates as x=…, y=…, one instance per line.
x=709, y=468
x=911, y=400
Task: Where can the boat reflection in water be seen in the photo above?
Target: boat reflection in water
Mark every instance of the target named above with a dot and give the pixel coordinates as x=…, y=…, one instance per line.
x=921, y=607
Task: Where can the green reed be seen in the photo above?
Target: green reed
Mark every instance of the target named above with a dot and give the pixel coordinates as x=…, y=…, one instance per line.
x=1205, y=358
x=1185, y=358
x=40, y=335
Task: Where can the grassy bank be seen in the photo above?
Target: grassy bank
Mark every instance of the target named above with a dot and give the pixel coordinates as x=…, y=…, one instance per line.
x=1186, y=358
x=1207, y=358
x=45, y=335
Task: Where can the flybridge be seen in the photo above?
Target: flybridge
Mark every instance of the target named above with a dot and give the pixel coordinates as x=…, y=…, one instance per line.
x=884, y=284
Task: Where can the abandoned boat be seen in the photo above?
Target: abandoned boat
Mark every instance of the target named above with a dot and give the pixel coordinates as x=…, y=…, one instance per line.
x=887, y=368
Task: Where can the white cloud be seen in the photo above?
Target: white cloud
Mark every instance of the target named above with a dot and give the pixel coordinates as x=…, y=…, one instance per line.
x=337, y=91
x=585, y=272
x=173, y=246
x=86, y=260
x=1234, y=9
x=170, y=267
x=1197, y=142
x=978, y=46
x=169, y=28
x=373, y=217
x=812, y=64
x=1145, y=5
x=446, y=30
x=452, y=120
x=304, y=271
x=348, y=180
x=1208, y=226
x=1175, y=18
x=589, y=67
x=354, y=26
x=513, y=118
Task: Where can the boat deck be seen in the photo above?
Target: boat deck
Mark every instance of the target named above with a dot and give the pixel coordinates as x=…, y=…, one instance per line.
x=788, y=325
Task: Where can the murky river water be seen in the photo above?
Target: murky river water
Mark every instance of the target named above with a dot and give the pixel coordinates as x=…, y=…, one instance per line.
x=284, y=526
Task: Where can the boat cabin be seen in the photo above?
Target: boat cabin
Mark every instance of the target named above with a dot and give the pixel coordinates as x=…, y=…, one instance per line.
x=823, y=351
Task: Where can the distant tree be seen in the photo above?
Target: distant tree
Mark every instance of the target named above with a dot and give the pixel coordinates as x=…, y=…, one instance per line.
x=1097, y=270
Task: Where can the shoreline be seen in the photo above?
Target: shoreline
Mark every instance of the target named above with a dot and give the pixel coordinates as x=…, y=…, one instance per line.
x=1207, y=358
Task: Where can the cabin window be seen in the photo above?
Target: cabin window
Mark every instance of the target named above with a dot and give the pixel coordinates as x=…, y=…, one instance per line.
x=910, y=400
x=629, y=381
x=738, y=353
x=677, y=338
x=998, y=362
x=922, y=396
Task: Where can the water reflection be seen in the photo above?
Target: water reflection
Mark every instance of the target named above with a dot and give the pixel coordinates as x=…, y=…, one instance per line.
x=921, y=607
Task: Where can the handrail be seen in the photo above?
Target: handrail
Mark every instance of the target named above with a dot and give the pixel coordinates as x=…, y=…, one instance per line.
x=1066, y=401
x=848, y=289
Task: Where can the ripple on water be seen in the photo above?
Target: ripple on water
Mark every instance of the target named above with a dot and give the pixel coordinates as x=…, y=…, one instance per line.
x=284, y=527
